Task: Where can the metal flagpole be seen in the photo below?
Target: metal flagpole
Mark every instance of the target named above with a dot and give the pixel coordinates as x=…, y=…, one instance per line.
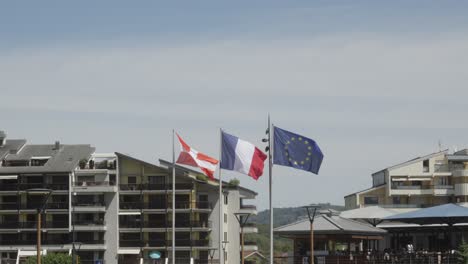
x=173, y=199
x=270, y=165
x=221, y=200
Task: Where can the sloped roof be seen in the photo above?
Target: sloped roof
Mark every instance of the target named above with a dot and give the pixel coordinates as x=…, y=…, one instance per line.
x=413, y=160
x=370, y=212
x=63, y=159
x=329, y=224
x=441, y=214
x=11, y=145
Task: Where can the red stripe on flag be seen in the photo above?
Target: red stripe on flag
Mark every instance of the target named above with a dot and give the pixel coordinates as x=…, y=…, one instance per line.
x=258, y=163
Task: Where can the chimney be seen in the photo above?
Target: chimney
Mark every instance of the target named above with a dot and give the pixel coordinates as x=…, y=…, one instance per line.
x=2, y=138
x=57, y=145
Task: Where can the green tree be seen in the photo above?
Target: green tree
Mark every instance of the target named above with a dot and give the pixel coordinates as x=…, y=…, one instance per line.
x=463, y=253
x=53, y=258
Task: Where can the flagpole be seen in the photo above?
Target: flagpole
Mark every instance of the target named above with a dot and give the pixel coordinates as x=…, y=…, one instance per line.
x=221, y=200
x=270, y=165
x=173, y=199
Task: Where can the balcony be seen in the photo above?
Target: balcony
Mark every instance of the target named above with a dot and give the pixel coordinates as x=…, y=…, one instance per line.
x=422, y=190
x=57, y=206
x=190, y=205
x=94, y=186
x=250, y=228
x=251, y=209
x=155, y=187
x=250, y=246
x=83, y=222
x=9, y=206
x=88, y=206
x=131, y=205
x=26, y=186
x=145, y=243
x=33, y=224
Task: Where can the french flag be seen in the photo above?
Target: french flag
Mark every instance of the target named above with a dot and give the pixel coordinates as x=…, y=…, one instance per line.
x=242, y=156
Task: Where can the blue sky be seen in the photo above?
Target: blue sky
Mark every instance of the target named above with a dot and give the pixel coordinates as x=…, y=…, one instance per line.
x=373, y=82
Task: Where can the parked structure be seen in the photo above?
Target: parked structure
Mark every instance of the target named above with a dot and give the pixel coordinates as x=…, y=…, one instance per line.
x=112, y=207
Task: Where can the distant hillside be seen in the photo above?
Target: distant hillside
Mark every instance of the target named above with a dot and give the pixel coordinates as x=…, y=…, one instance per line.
x=286, y=215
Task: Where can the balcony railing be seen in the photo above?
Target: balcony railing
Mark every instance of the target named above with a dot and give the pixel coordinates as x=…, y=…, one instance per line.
x=190, y=205
x=131, y=205
x=33, y=224
x=88, y=222
x=88, y=203
x=164, y=224
x=165, y=205
x=26, y=186
x=151, y=186
x=93, y=183
x=9, y=206
x=61, y=205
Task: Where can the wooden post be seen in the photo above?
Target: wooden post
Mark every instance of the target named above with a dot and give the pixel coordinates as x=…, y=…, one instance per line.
x=312, y=242
x=38, y=236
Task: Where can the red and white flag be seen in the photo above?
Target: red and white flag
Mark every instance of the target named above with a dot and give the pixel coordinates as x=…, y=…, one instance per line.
x=191, y=157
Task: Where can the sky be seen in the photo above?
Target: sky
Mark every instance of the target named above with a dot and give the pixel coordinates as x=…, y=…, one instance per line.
x=374, y=83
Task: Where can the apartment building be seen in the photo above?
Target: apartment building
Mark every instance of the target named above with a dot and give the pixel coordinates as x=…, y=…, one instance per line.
x=430, y=180
x=112, y=208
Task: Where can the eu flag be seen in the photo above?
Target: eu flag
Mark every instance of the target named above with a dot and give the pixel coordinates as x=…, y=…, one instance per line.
x=296, y=151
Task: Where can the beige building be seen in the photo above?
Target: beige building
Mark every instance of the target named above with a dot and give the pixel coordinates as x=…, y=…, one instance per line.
x=433, y=179
x=113, y=207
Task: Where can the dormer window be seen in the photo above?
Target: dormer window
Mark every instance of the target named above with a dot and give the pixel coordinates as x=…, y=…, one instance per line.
x=39, y=161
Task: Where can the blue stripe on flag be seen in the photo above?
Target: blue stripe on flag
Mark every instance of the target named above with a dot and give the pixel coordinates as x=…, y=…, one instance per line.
x=228, y=151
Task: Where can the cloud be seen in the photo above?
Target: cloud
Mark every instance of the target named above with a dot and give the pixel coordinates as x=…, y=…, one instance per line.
x=368, y=99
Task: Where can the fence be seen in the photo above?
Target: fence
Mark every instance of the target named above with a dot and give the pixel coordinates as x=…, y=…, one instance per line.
x=414, y=258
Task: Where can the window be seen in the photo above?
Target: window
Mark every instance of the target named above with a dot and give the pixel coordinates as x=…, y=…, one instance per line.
x=225, y=236
x=396, y=200
x=225, y=199
x=225, y=218
x=425, y=165
x=371, y=200
x=131, y=180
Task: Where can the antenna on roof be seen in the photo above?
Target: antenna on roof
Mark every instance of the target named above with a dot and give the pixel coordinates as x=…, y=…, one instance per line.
x=440, y=144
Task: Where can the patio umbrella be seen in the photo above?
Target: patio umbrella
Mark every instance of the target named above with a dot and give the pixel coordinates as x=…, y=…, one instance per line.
x=373, y=215
x=449, y=214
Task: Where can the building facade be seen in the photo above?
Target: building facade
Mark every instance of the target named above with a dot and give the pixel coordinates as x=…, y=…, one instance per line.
x=112, y=208
x=430, y=180
x=426, y=181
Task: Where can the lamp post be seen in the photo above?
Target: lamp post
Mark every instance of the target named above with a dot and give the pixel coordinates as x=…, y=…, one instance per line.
x=311, y=211
x=242, y=219
x=74, y=255
x=40, y=210
x=224, y=244
x=211, y=252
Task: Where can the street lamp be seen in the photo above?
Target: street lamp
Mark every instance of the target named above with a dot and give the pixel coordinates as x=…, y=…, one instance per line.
x=74, y=251
x=224, y=244
x=40, y=210
x=211, y=252
x=242, y=219
x=311, y=211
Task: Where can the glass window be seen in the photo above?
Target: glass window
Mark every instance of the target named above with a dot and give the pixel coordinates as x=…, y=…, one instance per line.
x=371, y=200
